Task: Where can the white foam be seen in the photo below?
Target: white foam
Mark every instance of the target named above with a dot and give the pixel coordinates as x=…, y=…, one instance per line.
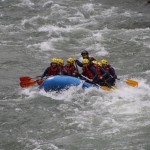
x=29, y=93
x=66, y=95
x=131, y=13
x=38, y=144
x=48, y=4
x=33, y=19
x=100, y=50
x=126, y=14
x=109, y=12
x=44, y=46
x=88, y=8
x=147, y=44
x=26, y=3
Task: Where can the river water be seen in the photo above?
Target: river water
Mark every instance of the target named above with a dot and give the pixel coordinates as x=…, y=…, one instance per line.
x=32, y=32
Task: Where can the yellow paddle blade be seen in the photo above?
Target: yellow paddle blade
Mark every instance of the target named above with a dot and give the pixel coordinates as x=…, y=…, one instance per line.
x=132, y=83
x=105, y=88
x=114, y=88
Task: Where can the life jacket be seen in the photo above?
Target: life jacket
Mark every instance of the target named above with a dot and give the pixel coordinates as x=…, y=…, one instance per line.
x=61, y=68
x=107, y=68
x=53, y=71
x=99, y=72
x=110, y=70
x=87, y=72
x=91, y=59
x=69, y=69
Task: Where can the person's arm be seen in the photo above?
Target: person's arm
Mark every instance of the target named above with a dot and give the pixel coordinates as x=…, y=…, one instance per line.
x=91, y=59
x=112, y=72
x=45, y=72
x=104, y=73
x=65, y=71
x=78, y=63
x=93, y=70
x=60, y=70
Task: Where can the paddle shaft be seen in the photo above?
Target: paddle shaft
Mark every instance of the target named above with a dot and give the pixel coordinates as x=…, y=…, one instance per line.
x=102, y=87
x=26, y=78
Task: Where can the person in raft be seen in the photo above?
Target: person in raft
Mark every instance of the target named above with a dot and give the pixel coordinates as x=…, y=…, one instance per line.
x=111, y=77
x=60, y=63
x=85, y=55
x=89, y=71
x=101, y=72
x=52, y=70
x=69, y=69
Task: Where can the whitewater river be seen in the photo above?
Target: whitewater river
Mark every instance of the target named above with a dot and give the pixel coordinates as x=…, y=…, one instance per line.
x=32, y=32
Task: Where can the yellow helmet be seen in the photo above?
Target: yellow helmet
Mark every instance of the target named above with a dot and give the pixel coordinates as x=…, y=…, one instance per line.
x=99, y=64
x=95, y=62
x=61, y=62
x=85, y=61
x=70, y=60
x=54, y=60
x=104, y=62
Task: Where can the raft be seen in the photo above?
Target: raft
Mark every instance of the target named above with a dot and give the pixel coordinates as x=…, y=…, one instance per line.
x=61, y=82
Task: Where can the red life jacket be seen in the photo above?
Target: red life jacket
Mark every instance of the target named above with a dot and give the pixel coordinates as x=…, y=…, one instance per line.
x=53, y=71
x=69, y=69
x=107, y=68
x=98, y=71
x=87, y=72
x=61, y=68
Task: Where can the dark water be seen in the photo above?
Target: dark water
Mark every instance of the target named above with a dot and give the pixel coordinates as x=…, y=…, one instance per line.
x=32, y=32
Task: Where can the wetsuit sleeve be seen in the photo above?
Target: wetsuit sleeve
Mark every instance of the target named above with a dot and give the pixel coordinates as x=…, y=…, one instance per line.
x=112, y=73
x=93, y=70
x=65, y=71
x=45, y=72
x=78, y=63
x=60, y=71
x=91, y=59
x=104, y=73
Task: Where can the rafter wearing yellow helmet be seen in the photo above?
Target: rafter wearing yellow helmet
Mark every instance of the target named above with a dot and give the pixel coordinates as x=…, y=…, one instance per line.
x=85, y=61
x=99, y=64
x=104, y=62
x=69, y=68
x=52, y=69
x=54, y=60
x=95, y=62
x=70, y=60
x=60, y=62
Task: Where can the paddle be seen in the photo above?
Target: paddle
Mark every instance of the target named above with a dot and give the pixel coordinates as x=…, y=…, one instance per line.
x=129, y=82
x=28, y=81
x=102, y=87
x=26, y=78
x=27, y=84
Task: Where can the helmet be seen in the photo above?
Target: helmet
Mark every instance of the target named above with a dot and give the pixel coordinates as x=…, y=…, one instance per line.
x=54, y=60
x=99, y=64
x=70, y=60
x=60, y=62
x=95, y=62
x=85, y=61
x=104, y=62
x=84, y=52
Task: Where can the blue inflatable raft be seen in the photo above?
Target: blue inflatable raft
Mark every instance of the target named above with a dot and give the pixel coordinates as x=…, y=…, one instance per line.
x=57, y=83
